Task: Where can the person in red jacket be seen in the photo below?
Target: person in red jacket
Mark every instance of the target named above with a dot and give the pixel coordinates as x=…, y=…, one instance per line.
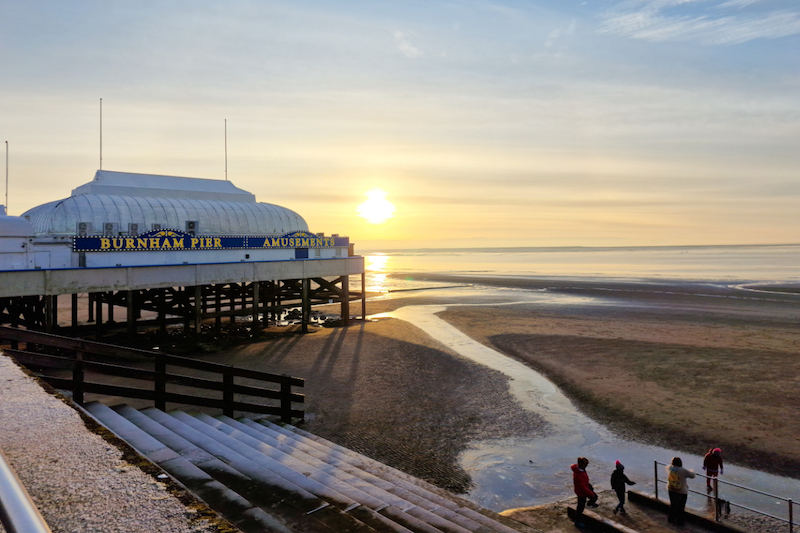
x=712, y=464
x=583, y=489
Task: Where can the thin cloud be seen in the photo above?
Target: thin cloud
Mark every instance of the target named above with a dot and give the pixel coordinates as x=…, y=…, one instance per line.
x=738, y=3
x=557, y=33
x=705, y=21
x=403, y=44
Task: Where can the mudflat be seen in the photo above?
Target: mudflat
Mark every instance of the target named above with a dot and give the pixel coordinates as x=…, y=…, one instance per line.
x=685, y=365
x=387, y=390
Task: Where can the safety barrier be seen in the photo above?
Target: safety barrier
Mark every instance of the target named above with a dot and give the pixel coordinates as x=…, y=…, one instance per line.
x=720, y=503
x=18, y=513
x=80, y=366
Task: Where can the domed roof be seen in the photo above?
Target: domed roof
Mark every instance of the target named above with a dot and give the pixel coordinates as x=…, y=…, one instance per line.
x=217, y=207
x=15, y=227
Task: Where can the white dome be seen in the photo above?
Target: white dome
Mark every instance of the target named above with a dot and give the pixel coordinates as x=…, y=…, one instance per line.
x=216, y=206
x=15, y=227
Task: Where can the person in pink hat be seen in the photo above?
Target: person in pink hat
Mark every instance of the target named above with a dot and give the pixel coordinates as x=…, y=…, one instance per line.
x=618, y=482
x=712, y=464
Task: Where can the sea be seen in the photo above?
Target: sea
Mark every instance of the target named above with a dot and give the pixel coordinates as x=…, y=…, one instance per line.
x=726, y=264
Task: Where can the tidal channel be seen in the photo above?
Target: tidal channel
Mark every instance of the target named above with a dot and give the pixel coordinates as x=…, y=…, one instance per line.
x=523, y=472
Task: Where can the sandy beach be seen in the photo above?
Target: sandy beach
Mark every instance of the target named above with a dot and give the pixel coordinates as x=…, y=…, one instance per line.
x=682, y=365
x=688, y=366
x=386, y=390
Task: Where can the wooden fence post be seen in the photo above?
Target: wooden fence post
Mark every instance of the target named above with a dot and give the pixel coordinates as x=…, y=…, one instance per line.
x=77, y=378
x=286, y=402
x=227, y=393
x=160, y=383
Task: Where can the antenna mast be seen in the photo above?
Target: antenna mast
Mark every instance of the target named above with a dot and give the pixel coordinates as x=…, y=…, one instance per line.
x=226, y=149
x=6, y=177
x=101, y=134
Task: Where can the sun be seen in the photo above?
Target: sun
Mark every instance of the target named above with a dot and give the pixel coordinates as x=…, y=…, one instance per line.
x=377, y=209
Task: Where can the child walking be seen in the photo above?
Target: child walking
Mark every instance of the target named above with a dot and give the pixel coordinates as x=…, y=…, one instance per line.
x=618, y=482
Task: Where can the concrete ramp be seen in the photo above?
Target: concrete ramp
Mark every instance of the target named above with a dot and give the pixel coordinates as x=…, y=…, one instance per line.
x=267, y=477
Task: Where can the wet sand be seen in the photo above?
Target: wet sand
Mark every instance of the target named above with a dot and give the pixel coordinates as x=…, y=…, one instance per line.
x=389, y=391
x=685, y=366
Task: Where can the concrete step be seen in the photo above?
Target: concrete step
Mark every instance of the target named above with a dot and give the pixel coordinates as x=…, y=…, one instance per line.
x=313, y=479
x=437, y=496
x=412, y=502
x=277, y=506
x=439, y=517
x=212, y=492
x=267, y=477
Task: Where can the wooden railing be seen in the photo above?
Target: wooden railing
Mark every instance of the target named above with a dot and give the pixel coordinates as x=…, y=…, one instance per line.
x=81, y=366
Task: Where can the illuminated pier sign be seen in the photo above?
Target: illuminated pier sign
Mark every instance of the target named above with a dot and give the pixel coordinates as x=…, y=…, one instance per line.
x=174, y=240
x=297, y=239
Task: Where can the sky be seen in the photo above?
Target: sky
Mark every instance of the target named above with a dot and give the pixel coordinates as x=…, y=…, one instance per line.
x=482, y=123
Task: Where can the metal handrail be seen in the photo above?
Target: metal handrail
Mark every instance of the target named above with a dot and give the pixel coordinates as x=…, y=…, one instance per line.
x=716, y=498
x=18, y=513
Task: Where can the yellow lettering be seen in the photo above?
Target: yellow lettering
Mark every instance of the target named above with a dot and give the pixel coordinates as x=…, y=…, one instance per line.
x=129, y=243
x=284, y=242
x=195, y=240
x=105, y=243
x=117, y=242
x=217, y=242
x=209, y=242
x=153, y=243
x=177, y=243
x=166, y=243
x=141, y=243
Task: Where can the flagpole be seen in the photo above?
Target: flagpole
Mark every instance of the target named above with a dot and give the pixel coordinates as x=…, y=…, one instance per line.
x=226, y=149
x=6, y=177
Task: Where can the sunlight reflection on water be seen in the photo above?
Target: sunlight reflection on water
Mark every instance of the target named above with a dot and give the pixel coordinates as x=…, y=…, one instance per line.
x=717, y=263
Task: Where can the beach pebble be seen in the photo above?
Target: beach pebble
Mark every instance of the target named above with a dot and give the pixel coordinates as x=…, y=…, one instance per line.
x=79, y=481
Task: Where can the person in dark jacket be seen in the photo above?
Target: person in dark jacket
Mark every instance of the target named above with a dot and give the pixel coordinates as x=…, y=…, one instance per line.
x=712, y=464
x=583, y=489
x=618, y=482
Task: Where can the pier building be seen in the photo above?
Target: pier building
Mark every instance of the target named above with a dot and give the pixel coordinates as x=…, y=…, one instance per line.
x=167, y=249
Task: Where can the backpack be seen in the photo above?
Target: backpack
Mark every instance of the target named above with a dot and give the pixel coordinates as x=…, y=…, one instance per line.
x=674, y=482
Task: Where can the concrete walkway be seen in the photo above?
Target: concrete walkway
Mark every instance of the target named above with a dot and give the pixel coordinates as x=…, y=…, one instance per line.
x=78, y=480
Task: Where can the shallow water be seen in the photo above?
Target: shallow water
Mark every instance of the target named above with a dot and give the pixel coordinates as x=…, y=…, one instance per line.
x=716, y=263
x=520, y=472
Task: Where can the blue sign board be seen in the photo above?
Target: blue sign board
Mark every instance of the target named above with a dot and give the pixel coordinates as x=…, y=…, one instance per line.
x=174, y=240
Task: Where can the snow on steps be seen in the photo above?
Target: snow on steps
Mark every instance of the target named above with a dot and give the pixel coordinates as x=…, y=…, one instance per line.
x=265, y=477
